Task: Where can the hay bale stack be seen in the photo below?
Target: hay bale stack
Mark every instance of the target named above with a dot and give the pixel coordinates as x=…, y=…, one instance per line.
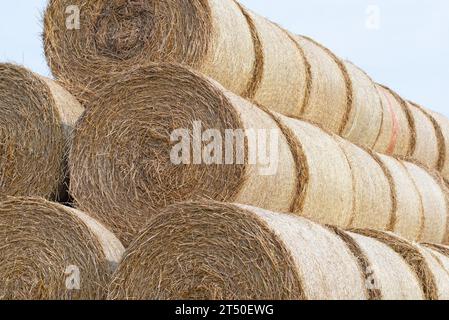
x=289, y=74
x=426, y=148
x=36, y=118
x=268, y=256
x=48, y=250
x=123, y=170
x=364, y=121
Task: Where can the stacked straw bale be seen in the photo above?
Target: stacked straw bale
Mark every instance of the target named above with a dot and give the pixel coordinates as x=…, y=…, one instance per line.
x=242, y=252
x=36, y=117
x=46, y=247
x=250, y=56
x=122, y=170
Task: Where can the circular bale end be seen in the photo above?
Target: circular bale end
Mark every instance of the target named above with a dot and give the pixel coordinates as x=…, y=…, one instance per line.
x=84, y=39
x=53, y=252
x=32, y=136
x=206, y=251
x=139, y=147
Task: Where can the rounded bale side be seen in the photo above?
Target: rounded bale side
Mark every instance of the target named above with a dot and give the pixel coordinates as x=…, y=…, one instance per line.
x=330, y=95
x=443, y=124
x=52, y=252
x=408, y=219
x=363, y=123
x=326, y=187
x=397, y=135
x=282, y=76
x=373, y=199
x=400, y=282
x=425, y=263
x=434, y=203
x=37, y=118
x=427, y=146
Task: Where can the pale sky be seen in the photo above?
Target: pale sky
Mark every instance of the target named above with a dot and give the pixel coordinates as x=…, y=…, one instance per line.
x=401, y=43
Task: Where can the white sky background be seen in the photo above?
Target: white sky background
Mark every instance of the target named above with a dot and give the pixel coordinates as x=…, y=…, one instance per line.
x=409, y=51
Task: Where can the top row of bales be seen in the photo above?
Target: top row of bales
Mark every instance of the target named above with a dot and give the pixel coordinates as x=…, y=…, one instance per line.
x=250, y=56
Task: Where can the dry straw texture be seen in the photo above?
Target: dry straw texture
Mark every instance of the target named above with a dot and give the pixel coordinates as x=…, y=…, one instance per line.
x=397, y=126
x=247, y=54
x=428, y=262
x=433, y=196
x=427, y=144
x=408, y=219
x=373, y=196
x=44, y=242
x=329, y=96
x=123, y=173
x=364, y=121
x=442, y=129
x=209, y=250
x=36, y=117
x=120, y=161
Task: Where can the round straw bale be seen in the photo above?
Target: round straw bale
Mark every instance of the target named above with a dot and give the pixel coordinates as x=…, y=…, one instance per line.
x=50, y=251
x=373, y=198
x=363, y=123
x=121, y=159
x=407, y=220
x=426, y=146
x=330, y=97
x=397, y=134
x=434, y=203
x=116, y=35
x=267, y=256
x=36, y=118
